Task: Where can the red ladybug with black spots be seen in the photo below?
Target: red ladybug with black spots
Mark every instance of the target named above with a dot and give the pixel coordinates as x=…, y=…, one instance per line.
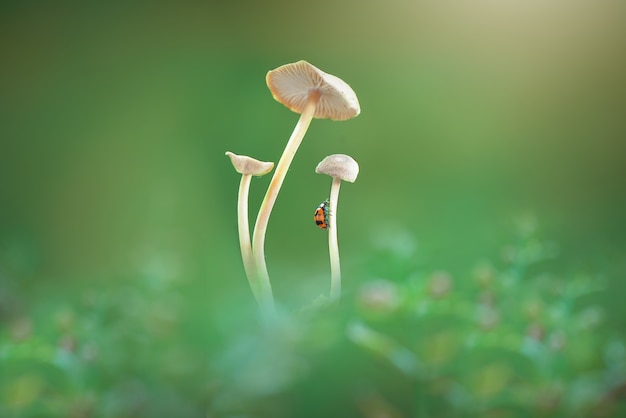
x=321, y=215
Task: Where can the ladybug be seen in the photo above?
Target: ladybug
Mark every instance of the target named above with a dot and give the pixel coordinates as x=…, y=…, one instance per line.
x=321, y=214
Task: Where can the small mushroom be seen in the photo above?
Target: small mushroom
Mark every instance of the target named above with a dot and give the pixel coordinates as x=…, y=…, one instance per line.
x=307, y=90
x=339, y=167
x=248, y=167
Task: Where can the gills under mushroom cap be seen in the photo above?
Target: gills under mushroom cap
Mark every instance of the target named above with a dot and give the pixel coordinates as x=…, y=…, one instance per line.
x=340, y=166
x=290, y=85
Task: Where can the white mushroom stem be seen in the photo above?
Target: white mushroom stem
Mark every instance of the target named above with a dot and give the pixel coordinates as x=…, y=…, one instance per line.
x=333, y=246
x=244, y=236
x=247, y=167
x=260, y=227
x=340, y=167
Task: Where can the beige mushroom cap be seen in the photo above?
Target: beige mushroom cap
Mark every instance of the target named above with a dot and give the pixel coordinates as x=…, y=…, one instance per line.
x=290, y=85
x=339, y=165
x=248, y=165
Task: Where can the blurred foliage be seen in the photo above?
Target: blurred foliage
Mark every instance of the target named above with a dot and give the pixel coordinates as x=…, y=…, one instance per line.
x=509, y=338
x=96, y=350
x=121, y=287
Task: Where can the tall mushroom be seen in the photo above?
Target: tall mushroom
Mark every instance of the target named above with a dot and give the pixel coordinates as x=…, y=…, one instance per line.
x=339, y=167
x=307, y=90
x=248, y=167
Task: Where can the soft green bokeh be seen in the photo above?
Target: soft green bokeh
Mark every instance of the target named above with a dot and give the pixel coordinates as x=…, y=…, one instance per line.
x=479, y=119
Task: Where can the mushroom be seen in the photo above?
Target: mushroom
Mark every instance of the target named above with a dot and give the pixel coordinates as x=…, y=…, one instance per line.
x=307, y=90
x=249, y=167
x=339, y=167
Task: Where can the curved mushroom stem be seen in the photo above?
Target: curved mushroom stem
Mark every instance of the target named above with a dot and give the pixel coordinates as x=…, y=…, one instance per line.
x=244, y=235
x=333, y=247
x=260, y=227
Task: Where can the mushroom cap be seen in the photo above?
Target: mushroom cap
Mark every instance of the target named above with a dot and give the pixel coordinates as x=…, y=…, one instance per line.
x=290, y=85
x=248, y=165
x=339, y=165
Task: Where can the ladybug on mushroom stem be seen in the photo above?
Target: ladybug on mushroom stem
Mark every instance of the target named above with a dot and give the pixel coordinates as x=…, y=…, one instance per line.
x=321, y=214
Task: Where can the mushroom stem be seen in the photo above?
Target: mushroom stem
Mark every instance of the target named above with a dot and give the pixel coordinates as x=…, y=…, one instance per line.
x=244, y=235
x=260, y=227
x=333, y=246
x=340, y=167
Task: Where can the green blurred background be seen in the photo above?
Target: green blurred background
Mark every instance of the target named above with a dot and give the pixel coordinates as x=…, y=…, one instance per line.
x=115, y=118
